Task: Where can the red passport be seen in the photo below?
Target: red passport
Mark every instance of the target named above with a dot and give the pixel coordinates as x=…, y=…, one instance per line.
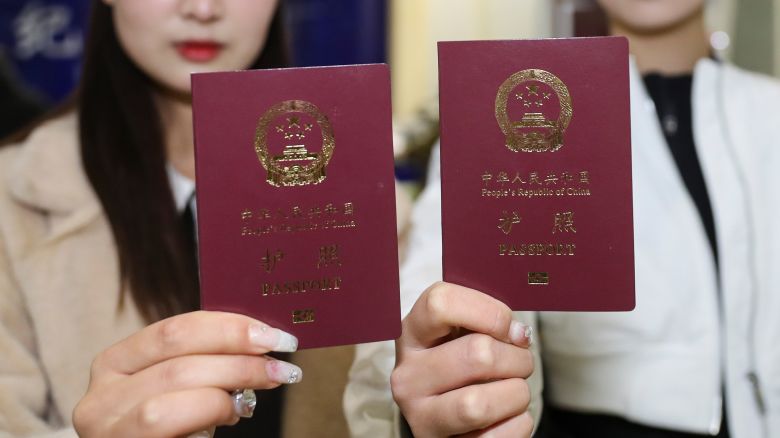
x=296, y=200
x=536, y=172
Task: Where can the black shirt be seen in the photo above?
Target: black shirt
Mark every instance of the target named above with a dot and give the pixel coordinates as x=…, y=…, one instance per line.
x=672, y=98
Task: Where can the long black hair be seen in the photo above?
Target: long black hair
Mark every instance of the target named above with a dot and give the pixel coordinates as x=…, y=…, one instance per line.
x=124, y=157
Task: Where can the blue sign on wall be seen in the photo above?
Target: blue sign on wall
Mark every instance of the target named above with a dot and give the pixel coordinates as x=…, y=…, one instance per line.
x=328, y=32
x=43, y=41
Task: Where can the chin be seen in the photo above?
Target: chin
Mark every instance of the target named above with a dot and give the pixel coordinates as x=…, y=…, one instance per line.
x=178, y=87
x=652, y=16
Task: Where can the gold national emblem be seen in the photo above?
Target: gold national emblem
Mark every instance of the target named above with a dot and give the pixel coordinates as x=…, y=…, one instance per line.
x=293, y=124
x=544, y=103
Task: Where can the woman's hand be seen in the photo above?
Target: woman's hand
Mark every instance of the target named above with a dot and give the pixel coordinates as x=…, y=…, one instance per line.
x=174, y=377
x=461, y=365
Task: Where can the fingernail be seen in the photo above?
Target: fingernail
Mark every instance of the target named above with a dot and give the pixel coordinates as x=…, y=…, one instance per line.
x=519, y=332
x=201, y=434
x=272, y=339
x=283, y=372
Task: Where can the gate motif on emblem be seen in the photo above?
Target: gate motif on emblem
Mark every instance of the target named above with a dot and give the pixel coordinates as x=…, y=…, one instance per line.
x=544, y=103
x=290, y=152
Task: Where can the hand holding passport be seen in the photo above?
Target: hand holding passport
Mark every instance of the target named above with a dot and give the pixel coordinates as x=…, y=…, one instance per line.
x=297, y=228
x=296, y=201
x=296, y=210
x=536, y=211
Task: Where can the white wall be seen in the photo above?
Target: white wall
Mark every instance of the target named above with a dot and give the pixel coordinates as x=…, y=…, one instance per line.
x=418, y=24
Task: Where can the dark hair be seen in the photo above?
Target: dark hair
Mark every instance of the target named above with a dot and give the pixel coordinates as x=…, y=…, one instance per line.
x=124, y=157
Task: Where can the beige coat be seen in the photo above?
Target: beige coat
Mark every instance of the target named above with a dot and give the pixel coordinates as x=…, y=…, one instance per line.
x=58, y=283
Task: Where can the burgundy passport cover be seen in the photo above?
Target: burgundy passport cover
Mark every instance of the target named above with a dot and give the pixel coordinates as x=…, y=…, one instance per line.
x=536, y=172
x=296, y=200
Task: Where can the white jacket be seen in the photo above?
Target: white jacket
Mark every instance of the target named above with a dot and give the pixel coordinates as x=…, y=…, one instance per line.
x=664, y=363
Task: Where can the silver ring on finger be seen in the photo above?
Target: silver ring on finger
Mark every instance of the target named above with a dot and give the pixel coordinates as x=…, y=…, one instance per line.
x=244, y=402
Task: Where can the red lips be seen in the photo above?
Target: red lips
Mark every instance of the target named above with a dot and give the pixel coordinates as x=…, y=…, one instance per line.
x=198, y=51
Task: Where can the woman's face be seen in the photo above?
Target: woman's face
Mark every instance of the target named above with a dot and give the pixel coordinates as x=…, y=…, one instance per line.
x=651, y=16
x=169, y=39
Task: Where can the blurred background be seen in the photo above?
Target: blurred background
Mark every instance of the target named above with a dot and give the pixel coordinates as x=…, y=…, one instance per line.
x=41, y=45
